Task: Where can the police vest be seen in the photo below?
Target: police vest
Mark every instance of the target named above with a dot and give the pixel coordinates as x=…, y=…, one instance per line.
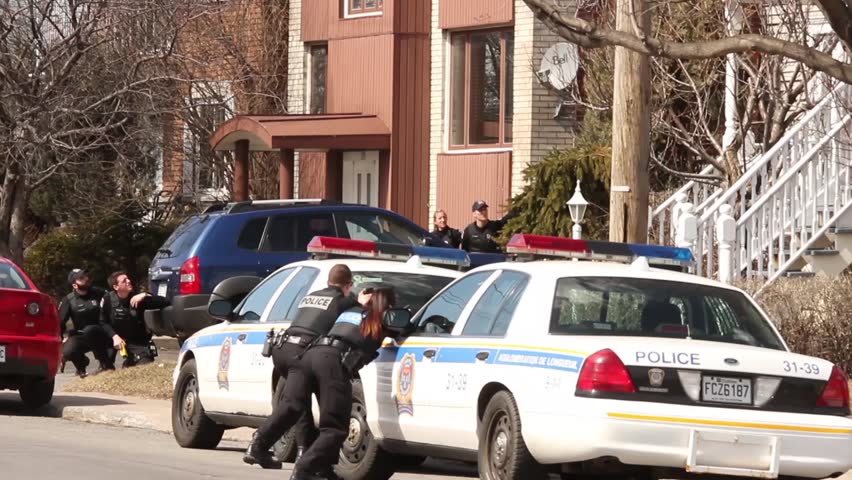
x=318, y=310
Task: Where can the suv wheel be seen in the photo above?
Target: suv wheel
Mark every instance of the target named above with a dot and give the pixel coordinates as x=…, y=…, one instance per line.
x=37, y=393
x=192, y=427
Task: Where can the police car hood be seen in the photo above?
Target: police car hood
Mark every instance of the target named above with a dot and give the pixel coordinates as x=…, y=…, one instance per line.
x=703, y=355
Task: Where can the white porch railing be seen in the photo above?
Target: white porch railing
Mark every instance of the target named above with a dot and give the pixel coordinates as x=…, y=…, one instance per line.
x=763, y=173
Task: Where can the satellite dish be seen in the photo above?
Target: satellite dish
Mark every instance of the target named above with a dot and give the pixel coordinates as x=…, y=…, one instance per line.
x=559, y=65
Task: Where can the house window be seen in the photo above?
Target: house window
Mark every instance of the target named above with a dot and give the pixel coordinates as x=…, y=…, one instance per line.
x=358, y=7
x=481, y=72
x=317, y=69
x=206, y=172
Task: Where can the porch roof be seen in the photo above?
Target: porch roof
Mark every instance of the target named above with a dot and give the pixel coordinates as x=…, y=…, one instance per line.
x=346, y=131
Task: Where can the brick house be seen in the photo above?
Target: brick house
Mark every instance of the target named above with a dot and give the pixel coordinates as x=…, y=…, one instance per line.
x=411, y=105
x=219, y=49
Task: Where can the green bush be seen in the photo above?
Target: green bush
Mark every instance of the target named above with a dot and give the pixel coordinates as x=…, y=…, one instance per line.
x=541, y=207
x=813, y=314
x=113, y=243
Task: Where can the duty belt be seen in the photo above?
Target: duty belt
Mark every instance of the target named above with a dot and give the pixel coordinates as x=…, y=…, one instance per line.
x=300, y=340
x=333, y=342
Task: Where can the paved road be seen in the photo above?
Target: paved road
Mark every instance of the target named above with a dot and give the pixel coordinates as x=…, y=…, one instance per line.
x=43, y=448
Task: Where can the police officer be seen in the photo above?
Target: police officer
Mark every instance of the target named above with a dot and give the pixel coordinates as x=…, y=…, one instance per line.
x=316, y=314
x=123, y=318
x=480, y=236
x=82, y=307
x=444, y=231
x=327, y=368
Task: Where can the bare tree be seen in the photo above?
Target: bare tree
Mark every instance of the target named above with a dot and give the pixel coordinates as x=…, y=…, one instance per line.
x=83, y=84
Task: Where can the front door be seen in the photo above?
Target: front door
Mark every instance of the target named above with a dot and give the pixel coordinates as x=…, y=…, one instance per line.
x=361, y=177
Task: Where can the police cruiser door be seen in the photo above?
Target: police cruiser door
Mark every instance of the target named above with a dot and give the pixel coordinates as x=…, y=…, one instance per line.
x=431, y=369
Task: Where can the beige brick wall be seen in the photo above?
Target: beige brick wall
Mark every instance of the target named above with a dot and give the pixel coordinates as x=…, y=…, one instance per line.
x=296, y=75
x=522, y=123
x=437, y=107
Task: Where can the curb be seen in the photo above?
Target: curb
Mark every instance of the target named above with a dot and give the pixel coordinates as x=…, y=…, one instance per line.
x=119, y=419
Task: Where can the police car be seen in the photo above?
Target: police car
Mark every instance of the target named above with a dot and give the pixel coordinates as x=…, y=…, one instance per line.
x=223, y=381
x=533, y=367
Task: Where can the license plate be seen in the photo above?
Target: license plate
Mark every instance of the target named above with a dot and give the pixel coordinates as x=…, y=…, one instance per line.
x=726, y=390
x=2, y=353
x=162, y=288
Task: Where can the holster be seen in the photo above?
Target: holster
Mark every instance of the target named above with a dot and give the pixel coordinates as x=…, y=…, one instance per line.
x=272, y=340
x=352, y=361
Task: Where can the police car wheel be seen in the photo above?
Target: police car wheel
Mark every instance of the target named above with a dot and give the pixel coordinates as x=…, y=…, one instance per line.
x=285, y=448
x=37, y=393
x=191, y=426
x=361, y=457
x=503, y=455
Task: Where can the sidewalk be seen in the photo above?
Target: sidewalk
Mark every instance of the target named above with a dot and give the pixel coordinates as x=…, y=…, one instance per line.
x=124, y=412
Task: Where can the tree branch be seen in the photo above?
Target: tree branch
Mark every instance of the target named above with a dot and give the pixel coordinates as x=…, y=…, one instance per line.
x=589, y=35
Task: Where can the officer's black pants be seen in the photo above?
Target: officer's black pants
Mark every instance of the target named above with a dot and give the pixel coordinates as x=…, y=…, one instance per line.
x=91, y=339
x=286, y=361
x=137, y=354
x=322, y=372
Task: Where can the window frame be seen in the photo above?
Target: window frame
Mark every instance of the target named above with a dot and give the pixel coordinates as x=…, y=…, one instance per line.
x=289, y=271
x=349, y=11
x=218, y=95
x=502, y=144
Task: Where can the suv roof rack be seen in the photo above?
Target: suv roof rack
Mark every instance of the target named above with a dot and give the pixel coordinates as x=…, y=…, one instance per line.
x=251, y=205
x=216, y=207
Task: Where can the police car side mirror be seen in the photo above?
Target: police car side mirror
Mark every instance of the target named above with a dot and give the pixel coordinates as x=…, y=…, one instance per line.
x=222, y=310
x=397, y=319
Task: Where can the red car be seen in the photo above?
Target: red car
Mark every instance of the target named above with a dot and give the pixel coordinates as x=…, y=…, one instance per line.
x=30, y=346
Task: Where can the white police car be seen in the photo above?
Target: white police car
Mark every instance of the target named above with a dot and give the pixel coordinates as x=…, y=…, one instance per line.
x=535, y=367
x=222, y=380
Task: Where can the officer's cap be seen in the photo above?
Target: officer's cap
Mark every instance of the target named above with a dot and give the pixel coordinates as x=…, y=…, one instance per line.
x=478, y=205
x=77, y=274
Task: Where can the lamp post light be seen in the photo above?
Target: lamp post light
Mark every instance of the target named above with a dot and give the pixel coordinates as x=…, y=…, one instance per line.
x=577, y=207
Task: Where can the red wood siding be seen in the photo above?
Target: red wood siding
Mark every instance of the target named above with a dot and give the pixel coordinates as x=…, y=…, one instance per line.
x=413, y=16
x=458, y=14
x=315, y=19
x=320, y=175
x=340, y=27
x=409, y=137
x=360, y=76
x=463, y=179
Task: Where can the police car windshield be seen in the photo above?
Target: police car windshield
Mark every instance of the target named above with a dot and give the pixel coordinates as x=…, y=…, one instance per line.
x=412, y=290
x=656, y=308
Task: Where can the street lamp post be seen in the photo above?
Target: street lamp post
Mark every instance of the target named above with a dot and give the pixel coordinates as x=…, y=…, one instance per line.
x=577, y=207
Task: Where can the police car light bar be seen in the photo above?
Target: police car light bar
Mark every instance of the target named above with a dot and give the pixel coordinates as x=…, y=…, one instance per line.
x=546, y=246
x=326, y=246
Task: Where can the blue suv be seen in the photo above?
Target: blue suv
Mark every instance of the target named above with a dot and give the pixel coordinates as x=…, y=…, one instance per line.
x=254, y=238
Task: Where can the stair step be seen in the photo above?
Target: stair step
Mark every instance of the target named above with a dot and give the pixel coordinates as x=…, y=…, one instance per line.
x=800, y=274
x=822, y=252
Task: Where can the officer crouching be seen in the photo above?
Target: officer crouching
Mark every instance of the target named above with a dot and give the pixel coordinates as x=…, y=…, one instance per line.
x=316, y=315
x=123, y=318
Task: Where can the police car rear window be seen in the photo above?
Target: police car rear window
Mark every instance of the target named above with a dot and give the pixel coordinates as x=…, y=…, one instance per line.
x=656, y=308
x=412, y=290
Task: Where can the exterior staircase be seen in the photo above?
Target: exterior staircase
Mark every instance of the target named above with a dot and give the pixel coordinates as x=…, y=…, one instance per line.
x=792, y=206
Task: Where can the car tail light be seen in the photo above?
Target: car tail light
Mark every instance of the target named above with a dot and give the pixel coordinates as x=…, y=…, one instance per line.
x=836, y=392
x=605, y=372
x=190, y=277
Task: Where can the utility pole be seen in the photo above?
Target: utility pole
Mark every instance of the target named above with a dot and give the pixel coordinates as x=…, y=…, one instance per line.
x=631, y=130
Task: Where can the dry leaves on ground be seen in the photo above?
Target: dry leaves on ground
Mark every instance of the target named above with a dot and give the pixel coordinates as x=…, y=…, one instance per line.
x=152, y=381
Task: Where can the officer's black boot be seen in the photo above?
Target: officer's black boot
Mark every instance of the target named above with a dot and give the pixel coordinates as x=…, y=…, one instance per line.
x=299, y=474
x=257, y=456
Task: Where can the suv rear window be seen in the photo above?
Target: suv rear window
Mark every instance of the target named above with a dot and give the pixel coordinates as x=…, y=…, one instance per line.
x=183, y=237
x=656, y=308
x=412, y=290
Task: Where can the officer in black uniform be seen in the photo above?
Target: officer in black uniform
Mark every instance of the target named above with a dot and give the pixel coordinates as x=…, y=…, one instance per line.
x=317, y=313
x=327, y=368
x=480, y=236
x=123, y=318
x=445, y=232
x=83, y=307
